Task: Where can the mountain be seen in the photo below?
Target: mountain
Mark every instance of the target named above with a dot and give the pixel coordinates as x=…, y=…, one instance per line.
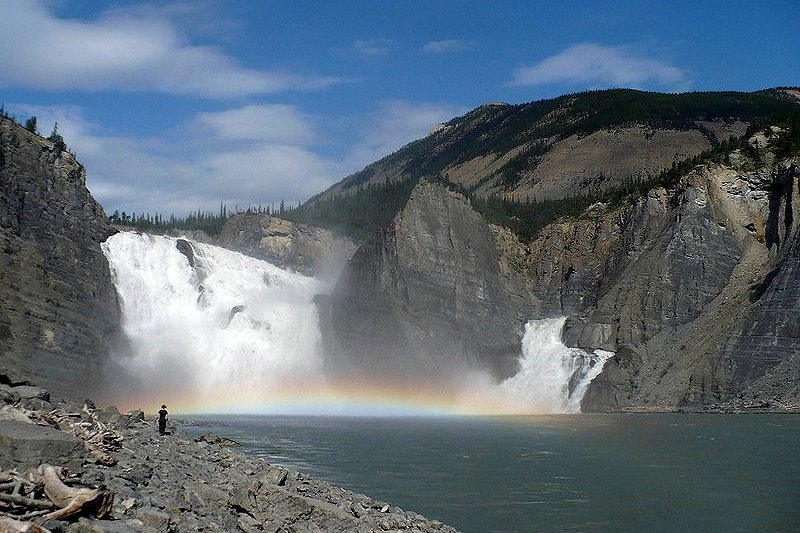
x=691, y=279
x=578, y=145
x=58, y=310
x=685, y=264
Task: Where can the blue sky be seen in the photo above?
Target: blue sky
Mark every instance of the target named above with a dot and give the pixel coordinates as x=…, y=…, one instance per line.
x=178, y=105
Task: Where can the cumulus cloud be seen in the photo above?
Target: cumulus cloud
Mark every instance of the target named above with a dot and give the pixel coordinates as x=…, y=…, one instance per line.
x=262, y=123
x=446, y=46
x=372, y=47
x=225, y=161
x=395, y=124
x=247, y=155
x=595, y=63
x=124, y=50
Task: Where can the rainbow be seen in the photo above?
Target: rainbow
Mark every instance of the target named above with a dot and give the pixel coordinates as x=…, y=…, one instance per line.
x=354, y=398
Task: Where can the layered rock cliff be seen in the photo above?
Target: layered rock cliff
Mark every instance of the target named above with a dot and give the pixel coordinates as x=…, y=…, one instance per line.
x=427, y=296
x=694, y=287
x=58, y=308
x=307, y=249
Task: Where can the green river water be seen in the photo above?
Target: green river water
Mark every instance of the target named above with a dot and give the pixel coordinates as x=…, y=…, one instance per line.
x=594, y=473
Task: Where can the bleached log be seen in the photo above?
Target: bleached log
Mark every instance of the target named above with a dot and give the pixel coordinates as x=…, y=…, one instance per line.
x=73, y=501
x=26, y=502
x=9, y=525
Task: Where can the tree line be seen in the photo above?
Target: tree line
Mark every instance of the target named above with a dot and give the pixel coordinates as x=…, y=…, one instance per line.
x=207, y=221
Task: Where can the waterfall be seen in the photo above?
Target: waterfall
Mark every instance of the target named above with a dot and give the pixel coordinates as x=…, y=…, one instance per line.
x=213, y=330
x=203, y=321
x=553, y=377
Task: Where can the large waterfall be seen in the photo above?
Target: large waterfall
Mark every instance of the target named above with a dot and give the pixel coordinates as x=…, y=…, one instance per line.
x=227, y=324
x=211, y=329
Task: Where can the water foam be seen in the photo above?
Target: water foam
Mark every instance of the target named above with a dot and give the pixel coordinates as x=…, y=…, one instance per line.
x=553, y=377
x=229, y=323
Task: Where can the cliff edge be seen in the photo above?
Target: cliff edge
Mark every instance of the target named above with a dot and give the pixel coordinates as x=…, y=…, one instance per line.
x=58, y=307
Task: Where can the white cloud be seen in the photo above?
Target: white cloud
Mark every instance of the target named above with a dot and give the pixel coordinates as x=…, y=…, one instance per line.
x=395, y=124
x=264, y=123
x=606, y=65
x=373, y=47
x=447, y=46
x=124, y=50
x=253, y=154
x=197, y=167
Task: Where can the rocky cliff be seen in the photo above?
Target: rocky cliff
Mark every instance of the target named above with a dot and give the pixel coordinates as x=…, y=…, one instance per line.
x=301, y=247
x=427, y=296
x=693, y=286
x=58, y=308
x=701, y=311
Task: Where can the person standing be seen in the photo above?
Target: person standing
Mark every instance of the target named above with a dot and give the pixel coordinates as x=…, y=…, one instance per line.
x=162, y=420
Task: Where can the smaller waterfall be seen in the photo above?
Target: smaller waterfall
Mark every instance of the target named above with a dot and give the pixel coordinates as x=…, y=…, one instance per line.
x=553, y=377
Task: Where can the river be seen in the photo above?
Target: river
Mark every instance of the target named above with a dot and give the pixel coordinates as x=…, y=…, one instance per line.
x=598, y=473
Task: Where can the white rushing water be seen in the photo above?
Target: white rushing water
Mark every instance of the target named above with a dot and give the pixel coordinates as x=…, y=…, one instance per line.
x=553, y=377
x=234, y=332
x=230, y=323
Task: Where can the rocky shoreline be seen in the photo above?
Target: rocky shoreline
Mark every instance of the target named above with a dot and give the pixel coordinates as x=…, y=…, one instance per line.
x=170, y=483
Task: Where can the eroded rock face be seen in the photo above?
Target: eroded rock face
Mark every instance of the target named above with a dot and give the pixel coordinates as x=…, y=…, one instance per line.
x=770, y=333
x=306, y=249
x=705, y=308
x=695, y=289
x=58, y=308
x=427, y=296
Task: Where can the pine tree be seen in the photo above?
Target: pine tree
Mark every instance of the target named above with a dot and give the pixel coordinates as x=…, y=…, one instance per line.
x=30, y=125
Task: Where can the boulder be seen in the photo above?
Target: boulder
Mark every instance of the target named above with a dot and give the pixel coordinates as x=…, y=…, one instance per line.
x=24, y=445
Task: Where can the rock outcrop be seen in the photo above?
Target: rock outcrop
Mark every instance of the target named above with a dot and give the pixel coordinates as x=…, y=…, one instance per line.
x=58, y=307
x=703, y=306
x=301, y=247
x=427, y=296
x=694, y=288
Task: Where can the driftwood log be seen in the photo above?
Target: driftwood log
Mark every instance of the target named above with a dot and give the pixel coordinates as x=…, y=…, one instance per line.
x=74, y=501
x=10, y=525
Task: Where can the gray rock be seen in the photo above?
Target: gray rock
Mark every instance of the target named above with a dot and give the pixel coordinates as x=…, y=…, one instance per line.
x=276, y=475
x=8, y=412
x=296, y=512
x=771, y=330
x=186, y=248
x=35, y=404
x=139, y=474
x=306, y=249
x=136, y=415
x=58, y=308
x=25, y=445
x=153, y=518
x=7, y=394
x=28, y=392
x=248, y=524
x=85, y=525
x=426, y=297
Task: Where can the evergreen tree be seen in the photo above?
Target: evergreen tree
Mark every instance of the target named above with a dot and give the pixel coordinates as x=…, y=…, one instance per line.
x=30, y=125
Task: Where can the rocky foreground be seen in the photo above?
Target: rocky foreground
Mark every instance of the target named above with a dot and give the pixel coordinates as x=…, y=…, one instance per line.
x=160, y=483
